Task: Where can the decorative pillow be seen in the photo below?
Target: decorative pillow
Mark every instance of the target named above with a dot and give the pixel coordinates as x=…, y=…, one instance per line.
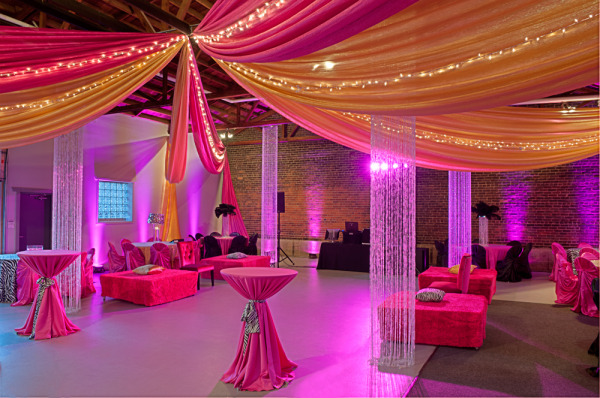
x=236, y=255
x=146, y=269
x=429, y=294
x=454, y=270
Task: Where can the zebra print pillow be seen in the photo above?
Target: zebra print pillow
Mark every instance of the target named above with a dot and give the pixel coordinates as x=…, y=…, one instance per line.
x=429, y=294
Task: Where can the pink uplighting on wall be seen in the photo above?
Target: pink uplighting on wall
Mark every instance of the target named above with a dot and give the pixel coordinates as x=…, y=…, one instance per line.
x=516, y=192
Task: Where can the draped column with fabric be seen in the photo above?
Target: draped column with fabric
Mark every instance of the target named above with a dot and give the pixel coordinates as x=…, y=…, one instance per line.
x=67, y=212
x=459, y=216
x=393, y=240
x=268, y=225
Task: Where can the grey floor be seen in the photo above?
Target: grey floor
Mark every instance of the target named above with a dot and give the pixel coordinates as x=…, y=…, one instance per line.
x=182, y=348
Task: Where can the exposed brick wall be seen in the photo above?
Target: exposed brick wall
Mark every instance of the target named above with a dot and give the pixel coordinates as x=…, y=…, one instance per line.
x=327, y=184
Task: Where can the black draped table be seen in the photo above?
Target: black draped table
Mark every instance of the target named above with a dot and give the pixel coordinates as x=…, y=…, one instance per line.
x=353, y=257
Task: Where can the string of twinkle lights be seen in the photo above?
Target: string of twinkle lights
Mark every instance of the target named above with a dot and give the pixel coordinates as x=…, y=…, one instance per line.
x=490, y=144
x=322, y=87
x=92, y=60
x=245, y=23
x=81, y=90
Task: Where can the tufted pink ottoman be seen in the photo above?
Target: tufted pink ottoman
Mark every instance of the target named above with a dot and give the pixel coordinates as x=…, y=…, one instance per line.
x=148, y=290
x=481, y=281
x=458, y=320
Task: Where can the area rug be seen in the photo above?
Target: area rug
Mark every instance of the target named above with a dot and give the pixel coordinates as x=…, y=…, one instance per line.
x=531, y=350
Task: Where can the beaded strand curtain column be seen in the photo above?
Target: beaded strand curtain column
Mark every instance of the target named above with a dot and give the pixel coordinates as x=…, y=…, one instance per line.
x=483, y=230
x=66, y=212
x=268, y=225
x=392, y=241
x=459, y=215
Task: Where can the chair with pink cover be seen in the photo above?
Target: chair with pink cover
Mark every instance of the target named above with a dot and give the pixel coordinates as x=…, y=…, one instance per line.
x=160, y=255
x=462, y=282
x=26, y=284
x=556, y=249
x=567, y=284
x=123, y=242
x=87, y=273
x=582, y=245
x=187, y=260
x=586, y=272
x=589, y=253
x=134, y=257
x=116, y=262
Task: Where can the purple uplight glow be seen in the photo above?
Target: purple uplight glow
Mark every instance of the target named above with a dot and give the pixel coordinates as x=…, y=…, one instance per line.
x=586, y=188
x=516, y=190
x=313, y=247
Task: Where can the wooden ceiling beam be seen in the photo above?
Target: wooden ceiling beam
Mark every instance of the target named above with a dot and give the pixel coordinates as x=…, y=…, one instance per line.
x=205, y=3
x=138, y=107
x=198, y=15
x=183, y=9
x=254, y=124
x=161, y=15
x=141, y=16
x=164, y=5
x=249, y=115
x=95, y=15
x=229, y=93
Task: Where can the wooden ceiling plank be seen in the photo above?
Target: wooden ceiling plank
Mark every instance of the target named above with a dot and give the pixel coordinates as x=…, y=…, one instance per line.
x=198, y=15
x=65, y=25
x=256, y=124
x=64, y=16
x=295, y=131
x=144, y=20
x=95, y=15
x=205, y=3
x=183, y=9
x=161, y=15
x=42, y=20
x=164, y=5
x=254, y=105
x=230, y=93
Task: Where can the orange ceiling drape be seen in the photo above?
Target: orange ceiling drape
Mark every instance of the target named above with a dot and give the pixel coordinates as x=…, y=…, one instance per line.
x=444, y=57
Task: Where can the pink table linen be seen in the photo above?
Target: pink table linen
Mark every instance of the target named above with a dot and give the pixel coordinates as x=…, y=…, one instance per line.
x=225, y=243
x=222, y=262
x=47, y=317
x=26, y=284
x=495, y=253
x=260, y=363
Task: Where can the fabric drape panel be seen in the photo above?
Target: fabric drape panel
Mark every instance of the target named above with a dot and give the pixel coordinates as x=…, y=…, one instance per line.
x=577, y=131
x=170, y=229
x=449, y=57
x=287, y=29
x=40, y=57
x=67, y=109
x=208, y=144
x=236, y=223
x=175, y=168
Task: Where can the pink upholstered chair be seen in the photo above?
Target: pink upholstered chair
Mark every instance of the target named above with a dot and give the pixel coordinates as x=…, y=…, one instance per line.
x=557, y=249
x=134, y=257
x=567, y=284
x=586, y=272
x=160, y=255
x=589, y=253
x=198, y=246
x=123, y=242
x=582, y=245
x=116, y=262
x=462, y=282
x=187, y=260
x=87, y=273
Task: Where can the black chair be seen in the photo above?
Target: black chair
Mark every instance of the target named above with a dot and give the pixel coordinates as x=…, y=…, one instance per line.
x=442, y=253
x=235, y=234
x=199, y=236
x=508, y=268
x=251, y=249
x=478, y=256
x=215, y=234
x=211, y=247
x=514, y=243
x=475, y=241
x=524, y=270
x=238, y=244
x=190, y=235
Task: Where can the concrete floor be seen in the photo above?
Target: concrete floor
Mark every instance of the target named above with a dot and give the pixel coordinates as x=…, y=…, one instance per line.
x=182, y=348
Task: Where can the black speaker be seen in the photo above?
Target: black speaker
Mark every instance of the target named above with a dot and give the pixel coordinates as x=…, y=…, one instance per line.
x=280, y=202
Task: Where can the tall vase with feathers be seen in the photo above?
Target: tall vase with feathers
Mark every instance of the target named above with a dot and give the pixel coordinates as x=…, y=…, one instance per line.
x=225, y=210
x=485, y=213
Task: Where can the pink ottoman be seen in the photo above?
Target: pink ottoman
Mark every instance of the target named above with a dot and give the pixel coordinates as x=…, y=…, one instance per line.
x=149, y=290
x=458, y=320
x=222, y=262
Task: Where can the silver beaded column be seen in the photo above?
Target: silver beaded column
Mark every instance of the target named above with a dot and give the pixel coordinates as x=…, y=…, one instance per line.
x=66, y=212
x=459, y=215
x=483, y=230
x=268, y=226
x=392, y=241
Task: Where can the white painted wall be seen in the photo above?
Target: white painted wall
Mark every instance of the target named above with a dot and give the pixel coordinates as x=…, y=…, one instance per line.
x=120, y=148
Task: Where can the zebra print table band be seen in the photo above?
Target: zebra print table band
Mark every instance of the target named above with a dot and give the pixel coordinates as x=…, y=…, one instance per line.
x=250, y=316
x=44, y=284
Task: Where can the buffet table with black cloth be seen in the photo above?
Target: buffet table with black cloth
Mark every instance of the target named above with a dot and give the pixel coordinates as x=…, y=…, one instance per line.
x=352, y=257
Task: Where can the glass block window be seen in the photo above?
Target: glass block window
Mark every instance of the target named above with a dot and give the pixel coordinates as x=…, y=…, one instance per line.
x=114, y=201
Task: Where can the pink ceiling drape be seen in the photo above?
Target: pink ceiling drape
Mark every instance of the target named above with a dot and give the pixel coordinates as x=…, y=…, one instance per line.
x=286, y=29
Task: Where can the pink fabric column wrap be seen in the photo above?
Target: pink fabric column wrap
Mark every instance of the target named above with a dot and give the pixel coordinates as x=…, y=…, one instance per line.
x=51, y=320
x=263, y=365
